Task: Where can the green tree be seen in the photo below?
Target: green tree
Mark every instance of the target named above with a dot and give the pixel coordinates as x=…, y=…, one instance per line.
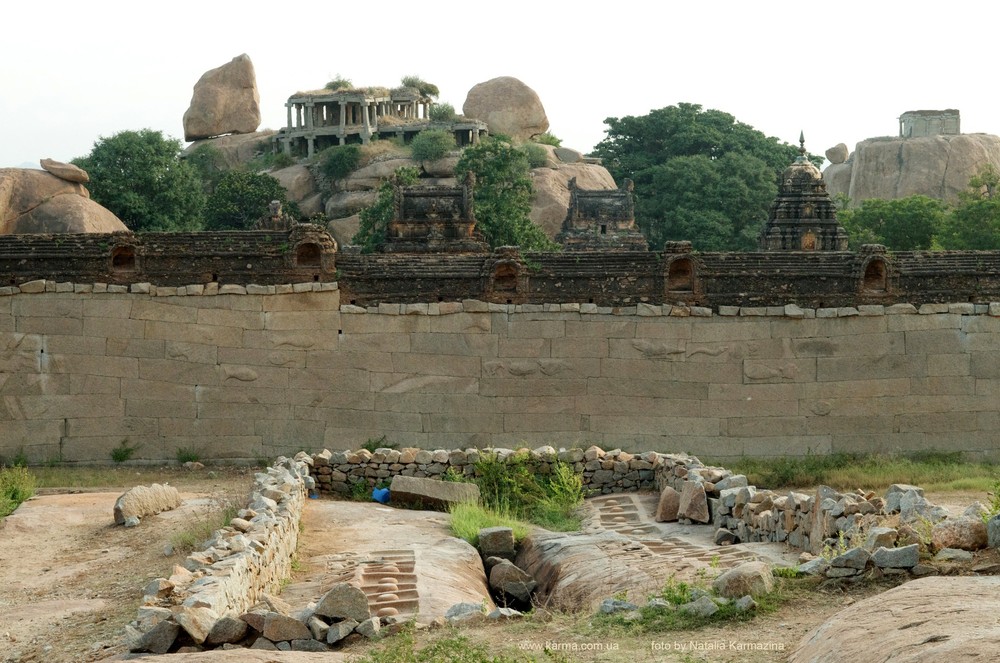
x=502, y=198
x=376, y=217
x=140, y=176
x=699, y=174
x=974, y=222
x=241, y=198
x=903, y=224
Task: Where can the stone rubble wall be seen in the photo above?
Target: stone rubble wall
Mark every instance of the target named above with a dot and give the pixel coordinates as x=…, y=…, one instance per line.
x=240, y=564
x=602, y=472
x=245, y=372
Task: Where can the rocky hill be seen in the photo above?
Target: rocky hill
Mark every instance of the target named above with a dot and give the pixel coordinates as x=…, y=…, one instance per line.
x=935, y=166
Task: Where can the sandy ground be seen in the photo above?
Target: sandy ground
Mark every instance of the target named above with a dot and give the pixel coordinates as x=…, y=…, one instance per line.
x=70, y=581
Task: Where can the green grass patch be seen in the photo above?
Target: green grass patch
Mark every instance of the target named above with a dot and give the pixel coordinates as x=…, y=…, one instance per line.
x=16, y=485
x=934, y=471
x=510, y=486
x=402, y=648
x=467, y=519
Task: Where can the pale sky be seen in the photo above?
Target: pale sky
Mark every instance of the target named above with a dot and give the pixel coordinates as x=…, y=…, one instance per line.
x=71, y=72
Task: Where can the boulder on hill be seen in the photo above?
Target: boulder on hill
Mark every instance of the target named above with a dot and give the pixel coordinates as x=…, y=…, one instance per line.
x=550, y=201
x=36, y=201
x=507, y=106
x=935, y=166
x=838, y=153
x=225, y=101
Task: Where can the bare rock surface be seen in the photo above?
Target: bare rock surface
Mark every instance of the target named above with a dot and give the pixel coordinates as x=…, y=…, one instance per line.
x=225, y=101
x=344, y=229
x=965, y=533
x=297, y=181
x=935, y=166
x=753, y=578
x=235, y=149
x=923, y=621
x=838, y=153
x=144, y=501
x=507, y=106
x=35, y=201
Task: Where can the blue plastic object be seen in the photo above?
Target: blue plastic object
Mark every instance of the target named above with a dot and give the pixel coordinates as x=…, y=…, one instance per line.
x=380, y=495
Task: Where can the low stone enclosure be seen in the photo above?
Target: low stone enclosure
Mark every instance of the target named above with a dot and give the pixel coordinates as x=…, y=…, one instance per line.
x=241, y=372
x=224, y=595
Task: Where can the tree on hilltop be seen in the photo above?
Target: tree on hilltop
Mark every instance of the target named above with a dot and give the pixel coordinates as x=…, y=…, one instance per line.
x=140, y=176
x=699, y=175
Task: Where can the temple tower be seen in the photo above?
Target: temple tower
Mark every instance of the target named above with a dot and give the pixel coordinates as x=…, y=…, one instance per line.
x=803, y=217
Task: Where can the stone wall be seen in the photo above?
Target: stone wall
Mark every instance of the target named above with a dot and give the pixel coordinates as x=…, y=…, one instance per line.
x=243, y=372
x=602, y=472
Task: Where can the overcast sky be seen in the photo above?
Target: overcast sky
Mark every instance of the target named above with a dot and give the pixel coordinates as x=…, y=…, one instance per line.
x=71, y=72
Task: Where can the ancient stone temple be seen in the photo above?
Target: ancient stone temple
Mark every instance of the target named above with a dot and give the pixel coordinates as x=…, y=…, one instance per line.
x=321, y=118
x=803, y=217
x=920, y=123
x=434, y=219
x=601, y=220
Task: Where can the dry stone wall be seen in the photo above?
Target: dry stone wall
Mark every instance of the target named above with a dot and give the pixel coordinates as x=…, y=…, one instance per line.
x=244, y=372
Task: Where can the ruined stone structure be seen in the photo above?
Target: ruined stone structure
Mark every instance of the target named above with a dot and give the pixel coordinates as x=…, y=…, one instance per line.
x=922, y=123
x=434, y=219
x=803, y=217
x=601, y=220
x=322, y=118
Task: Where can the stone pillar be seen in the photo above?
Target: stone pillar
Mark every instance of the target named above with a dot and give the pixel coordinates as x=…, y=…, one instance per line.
x=288, y=111
x=343, y=121
x=309, y=117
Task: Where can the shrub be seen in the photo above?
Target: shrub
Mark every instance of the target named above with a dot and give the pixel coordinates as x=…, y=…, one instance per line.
x=339, y=161
x=537, y=156
x=509, y=488
x=432, y=145
x=422, y=86
x=467, y=519
x=187, y=455
x=339, y=83
x=16, y=485
x=241, y=198
x=123, y=452
x=443, y=113
x=547, y=139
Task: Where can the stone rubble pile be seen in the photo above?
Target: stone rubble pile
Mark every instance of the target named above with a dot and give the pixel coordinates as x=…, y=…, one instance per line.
x=204, y=602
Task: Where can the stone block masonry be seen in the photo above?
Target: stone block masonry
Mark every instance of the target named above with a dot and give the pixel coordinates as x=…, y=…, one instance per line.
x=261, y=372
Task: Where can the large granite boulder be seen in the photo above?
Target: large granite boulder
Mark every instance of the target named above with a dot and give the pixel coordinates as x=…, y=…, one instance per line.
x=297, y=181
x=935, y=166
x=550, y=200
x=65, y=171
x=36, y=201
x=838, y=153
x=926, y=620
x=225, y=101
x=344, y=229
x=507, y=106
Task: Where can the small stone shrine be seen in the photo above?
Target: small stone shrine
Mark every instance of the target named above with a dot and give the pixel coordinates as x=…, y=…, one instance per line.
x=601, y=220
x=434, y=219
x=803, y=217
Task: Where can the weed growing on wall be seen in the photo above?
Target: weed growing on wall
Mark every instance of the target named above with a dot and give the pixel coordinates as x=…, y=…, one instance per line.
x=124, y=451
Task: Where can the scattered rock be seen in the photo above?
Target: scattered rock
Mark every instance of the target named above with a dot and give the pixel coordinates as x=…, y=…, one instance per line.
x=953, y=555
x=505, y=613
x=497, y=542
x=197, y=621
x=815, y=567
x=693, y=503
x=225, y=101
x=158, y=639
x=511, y=581
x=464, y=612
x=340, y=630
x=964, y=533
x=724, y=537
x=855, y=558
x=746, y=603
x=308, y=644
x=993, y=532
x=344, y=601
x=702, y=607
x=278, y=628
x=897, y=558
x=754, y=578
x=880, y=537
x=611, y=606
x=369, y=627
x=666, y=508
x=226, y=629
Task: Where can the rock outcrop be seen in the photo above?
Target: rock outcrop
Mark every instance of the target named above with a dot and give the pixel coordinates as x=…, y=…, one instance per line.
x=225, y=101
x=507, y=106
x=236, y=149
x=36, y=201
x=935, y=166
x=930, y=619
